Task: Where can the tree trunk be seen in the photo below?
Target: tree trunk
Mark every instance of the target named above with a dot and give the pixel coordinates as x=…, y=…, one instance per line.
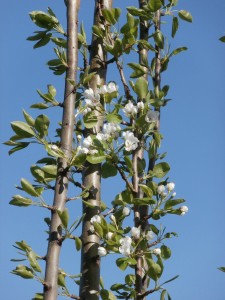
x=61, y=185
x=90, y=261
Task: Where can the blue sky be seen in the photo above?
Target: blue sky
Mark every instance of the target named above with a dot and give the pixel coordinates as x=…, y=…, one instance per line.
x=193, y=129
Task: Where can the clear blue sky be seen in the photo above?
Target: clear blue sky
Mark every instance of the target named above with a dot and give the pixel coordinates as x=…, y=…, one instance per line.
x=193, y=129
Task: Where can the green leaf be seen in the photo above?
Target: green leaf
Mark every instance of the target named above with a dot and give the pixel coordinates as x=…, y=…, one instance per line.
x=64, y=217
x=159, y=39
x=52, y=90
x=167, y=281
x=141, y=87
x=138, y=70
x=28, y=188
x=78, y=243
x=43, y=20
x=111, y=15
x=38, y=296
x=122, y=263
x=178, y=50
x=28, y=118
x=18, y=200
x=61, y=280
x=90, y=120
x=143, y=201
x=22, y=129
x=221, y=269
x=148, y=192
x=95, y=159
x=222, y=39
x=107, y=295
x=33, y=261
x=108, y=170
x=163, y=294
x=154, y=5
x=161, y=169
x=175, y=26
x=23, y=272
x=185, y=15
x=19, y=146
x=154, y=269
x=42, y=42
x=39, y=105
x=173, y=202
x=98, y=229
x=113, y=118
x=165, y=252
x=41, y=125
x=50, y=169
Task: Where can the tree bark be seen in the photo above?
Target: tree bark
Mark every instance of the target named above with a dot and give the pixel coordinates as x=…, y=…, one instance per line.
x=90, y=261
x=61, y=184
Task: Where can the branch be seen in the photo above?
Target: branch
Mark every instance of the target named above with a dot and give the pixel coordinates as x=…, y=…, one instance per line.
x=124, y=178
x=123, y=79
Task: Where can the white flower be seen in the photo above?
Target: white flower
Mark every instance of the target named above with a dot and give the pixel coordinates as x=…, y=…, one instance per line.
x=54, y=147
x=131, y=142
x=125, y=247
x=91, y=98
x=126, y=211
x=102, y=251
x=183, y=209
x=92, y=229
x=136, y=232
x=93, y=151
x=112, y=87
x=109, y=235
x=110, y=128
x=157, y=251
x=170, y=186
x=87, y=142
x=174, y=194
x=79, y=137
x=95, y=218
x=149, y=235
x=103, y=89
x=152, y=116
x=140, y=105
x=161, y=189
x=130, y=109
x=82, y=150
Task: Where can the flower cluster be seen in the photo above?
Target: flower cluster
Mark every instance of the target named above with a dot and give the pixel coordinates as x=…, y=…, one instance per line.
x=108, y=89
x=131, y=142
x=169, y=187
x=184, y=210
x=109, y=131
x=87, y=147
x=125, y=247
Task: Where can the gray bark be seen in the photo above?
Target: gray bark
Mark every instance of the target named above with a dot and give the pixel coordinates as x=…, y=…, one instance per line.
x=61, y=184
x=90, y=262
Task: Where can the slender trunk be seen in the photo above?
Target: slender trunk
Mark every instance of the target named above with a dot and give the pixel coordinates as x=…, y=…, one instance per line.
x=157, y=80
x=90, y=261
x=61, y=185
x=140, y=211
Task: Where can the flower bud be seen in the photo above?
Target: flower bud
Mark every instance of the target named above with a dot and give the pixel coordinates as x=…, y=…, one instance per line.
x=149, y=235
x=96, y=219
x=109, y=235
x=157, y=251
x=170, y=186
x=126, y=211
x=161, y=189
x=135, y=232
x=102, y=251
x=183, y=209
